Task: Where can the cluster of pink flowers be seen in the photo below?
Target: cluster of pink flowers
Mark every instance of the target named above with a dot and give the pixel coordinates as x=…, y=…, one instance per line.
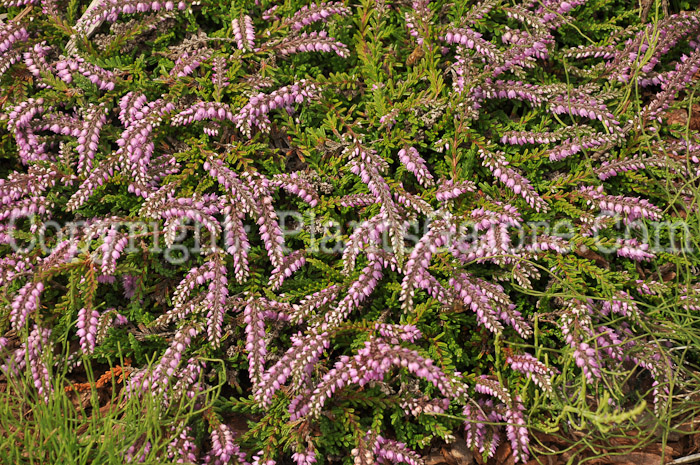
x=103, y=79
x=411, y=159
x=110, y=10
x=291, y=263
x=187, y=63
x=370, y=364
x=95, y=117
x=297, y=185
x=632, y=249
x=11, y=32
x=87, y=328
x=311, y=42
x=218, y=77
x=182, y=449
x=606, y=52
x=572, y=146
x=223, y=446
x=35, y=60
x=585, y=107
x=254, y=113
x=170, y=361
x=309, y=14
x=609, y=169
x=201, y=111
x=25, y=302
x=533, y=368
x=499, y=166
x=633, y=207
x=18, y=122
x=244, y=32
x=472, y=40
x=450, y=190
x=304, y=458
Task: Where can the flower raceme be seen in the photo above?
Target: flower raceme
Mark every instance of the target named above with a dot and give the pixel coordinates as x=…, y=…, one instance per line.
x=224, y=134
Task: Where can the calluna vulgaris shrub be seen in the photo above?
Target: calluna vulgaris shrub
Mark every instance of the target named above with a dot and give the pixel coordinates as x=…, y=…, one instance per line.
x=394, y=222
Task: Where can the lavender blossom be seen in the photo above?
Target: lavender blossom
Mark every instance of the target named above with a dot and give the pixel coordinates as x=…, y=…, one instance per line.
x=201, y=111
x=587, y=108
x=108, y=319
x=421, y=406
x=9, y=58
x=366, y=233
x=359, y=290
x=515, y=90
x=541, y=137
x=236, y=242
x=35, y=60
x=609, y=169
x=256, y=343
x=182, y=303
x=10, y=33
x=574, y=145
x=411, y=202
x=369, y=166
x=298, y=360
x=268, y=222
x=419, y=260
x=269, y=14
x=18, y=122
x=592, y=51
x=622, y=304
x=240, y=192
x=575, y=324
x=131, y=108
x=111, y=249
x=475, y=427
x=13, y=266
x=516, y=430
x=215, y=299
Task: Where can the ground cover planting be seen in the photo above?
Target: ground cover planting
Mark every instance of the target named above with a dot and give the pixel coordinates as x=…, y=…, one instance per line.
x=260, y=232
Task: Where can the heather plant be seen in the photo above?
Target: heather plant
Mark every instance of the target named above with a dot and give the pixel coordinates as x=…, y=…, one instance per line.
x=369, y=228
